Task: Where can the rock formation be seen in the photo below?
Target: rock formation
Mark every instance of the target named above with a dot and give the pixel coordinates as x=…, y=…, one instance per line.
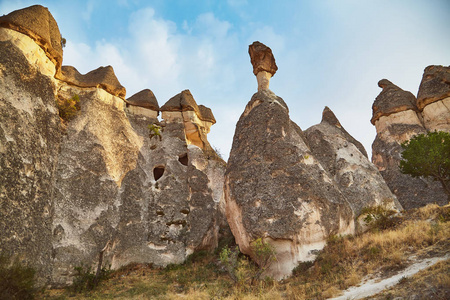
x=264, y=66
x=114, y=184
x=397, y=119
x=346, y=160
x=275, y=188
x=433, y=98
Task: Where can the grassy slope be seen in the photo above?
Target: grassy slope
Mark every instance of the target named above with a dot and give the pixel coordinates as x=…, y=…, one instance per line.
x=384, y=250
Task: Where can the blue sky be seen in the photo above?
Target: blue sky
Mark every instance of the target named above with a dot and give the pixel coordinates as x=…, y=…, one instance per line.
x=329, y=52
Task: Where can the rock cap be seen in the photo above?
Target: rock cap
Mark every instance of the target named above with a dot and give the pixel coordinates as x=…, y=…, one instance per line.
x=144, y=98
x=262, y=58
x=184, y=101
x=392, y=99
x=38, y=23
x=103, y=77
x=435, y=85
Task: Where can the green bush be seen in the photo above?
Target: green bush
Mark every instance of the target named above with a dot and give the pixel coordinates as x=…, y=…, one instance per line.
x=155, y=130
x=86, y=279
x=16, y=280
x=379, y=217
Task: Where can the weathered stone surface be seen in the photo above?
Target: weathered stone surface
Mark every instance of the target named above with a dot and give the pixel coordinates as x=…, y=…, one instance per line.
x=392, y=99
x=436, y=115
x=29, y=143
x=392, y=131
x=38, y=23
x=340, y=154
x=102, y=184
x=103, y=77
x=276, y=190
x=262, y=58
x=136, y=197
x=144, y=98
x=435, y=85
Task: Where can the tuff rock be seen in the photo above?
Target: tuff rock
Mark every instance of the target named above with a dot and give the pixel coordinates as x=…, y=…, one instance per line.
x=397, y=119
x=433, y=98
x=263, y=62
x=114, y=185
x=275, y=188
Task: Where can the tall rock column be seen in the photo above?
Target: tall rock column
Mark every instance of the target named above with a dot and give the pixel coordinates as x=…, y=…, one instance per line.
x=397, y=119
x=276, y=190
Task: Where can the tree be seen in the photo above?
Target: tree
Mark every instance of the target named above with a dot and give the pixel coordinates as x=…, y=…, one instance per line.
x=428, y=156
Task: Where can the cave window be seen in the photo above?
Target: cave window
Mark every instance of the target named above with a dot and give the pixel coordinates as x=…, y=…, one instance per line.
x=183, y=159
x=158, y=172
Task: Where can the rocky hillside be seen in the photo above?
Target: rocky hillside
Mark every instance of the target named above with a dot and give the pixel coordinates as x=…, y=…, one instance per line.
x=91, y=177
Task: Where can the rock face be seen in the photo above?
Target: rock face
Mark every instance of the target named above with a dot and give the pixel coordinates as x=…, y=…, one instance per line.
x=114, y=184
x=397, y=119
x=346, y=160
x=277, y=190
x=263, y=61
x=29, y=143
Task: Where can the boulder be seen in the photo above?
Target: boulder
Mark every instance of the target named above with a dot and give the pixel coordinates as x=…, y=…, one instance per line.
x=433, y=98
x=399, y=125
x=38, y=23
x=103, y=77
x=346, y=160
x=275, y=188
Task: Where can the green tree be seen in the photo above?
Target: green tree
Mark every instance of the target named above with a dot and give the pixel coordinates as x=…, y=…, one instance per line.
x=428, y=156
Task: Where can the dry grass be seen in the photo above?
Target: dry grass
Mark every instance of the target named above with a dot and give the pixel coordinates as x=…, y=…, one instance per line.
x=343, y=262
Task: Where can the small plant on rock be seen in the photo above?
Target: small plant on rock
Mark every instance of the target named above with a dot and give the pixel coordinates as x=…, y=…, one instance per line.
x=87, y=279
x=155, y=130
x=16, y=280
x=68, y=108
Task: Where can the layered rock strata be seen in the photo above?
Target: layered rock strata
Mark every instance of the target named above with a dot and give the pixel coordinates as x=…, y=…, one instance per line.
x=275, y=188
x=113, y=185
x=346, y=160
x=397, y=119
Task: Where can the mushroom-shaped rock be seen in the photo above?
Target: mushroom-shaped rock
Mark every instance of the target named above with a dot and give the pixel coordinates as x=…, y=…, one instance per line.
x=392, y=99
x=276, y=190
x=145, y=99
x=346, y=160
x=433, y=98
x=38, y=23
x=435, y=85
x=263, y=61
x=197, y=119
x=102, y=77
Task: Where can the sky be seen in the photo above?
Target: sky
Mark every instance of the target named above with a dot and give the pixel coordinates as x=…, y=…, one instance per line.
x=329, y=52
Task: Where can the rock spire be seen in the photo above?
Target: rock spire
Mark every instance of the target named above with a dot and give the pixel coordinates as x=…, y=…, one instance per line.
x=263, y=61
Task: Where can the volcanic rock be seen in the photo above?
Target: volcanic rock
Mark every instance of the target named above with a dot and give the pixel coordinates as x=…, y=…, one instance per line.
x=393, y=129
x=103, y=77
x=38, y=23
x=346, y=160
x=434, y=98
x=275, y=189
x=263, y=61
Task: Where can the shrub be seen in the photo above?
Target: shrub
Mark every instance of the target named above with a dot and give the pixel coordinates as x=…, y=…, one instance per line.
x=17, y=281
x=155, y=130
x=87, y=279
x=68, y=108
x=378, y=217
